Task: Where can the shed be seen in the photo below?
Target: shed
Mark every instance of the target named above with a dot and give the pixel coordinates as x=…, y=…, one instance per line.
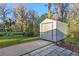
x=53, y=30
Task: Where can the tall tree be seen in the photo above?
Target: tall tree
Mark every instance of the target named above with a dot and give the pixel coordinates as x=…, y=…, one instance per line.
x=49, y=10
x=61, y=10
x=33, y=21
x=20, y=16
x=3, y=14
x=43, y=17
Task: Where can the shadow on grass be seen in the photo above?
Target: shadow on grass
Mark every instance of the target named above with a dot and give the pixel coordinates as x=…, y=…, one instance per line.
x=8, y=41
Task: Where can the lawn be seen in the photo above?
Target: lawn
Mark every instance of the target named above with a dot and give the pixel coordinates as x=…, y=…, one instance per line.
x=7, y=41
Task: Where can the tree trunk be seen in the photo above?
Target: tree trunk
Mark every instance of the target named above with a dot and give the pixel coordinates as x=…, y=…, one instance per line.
x=49, y=10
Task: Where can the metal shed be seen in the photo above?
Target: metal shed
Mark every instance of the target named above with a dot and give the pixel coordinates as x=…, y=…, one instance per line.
x=53, y=30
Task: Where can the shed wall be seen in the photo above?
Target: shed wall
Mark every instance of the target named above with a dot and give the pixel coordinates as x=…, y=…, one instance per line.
x=46, y=31
x=61, y=30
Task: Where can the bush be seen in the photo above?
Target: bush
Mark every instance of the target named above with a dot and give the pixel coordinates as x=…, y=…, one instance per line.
x=73, y=37
x=31, y=34
x=12, y=34
x=1, y=34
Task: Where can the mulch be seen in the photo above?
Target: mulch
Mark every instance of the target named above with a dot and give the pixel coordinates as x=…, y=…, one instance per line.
x=68, y=45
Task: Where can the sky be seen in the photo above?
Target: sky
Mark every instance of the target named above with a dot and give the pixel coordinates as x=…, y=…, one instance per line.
x=39, y=8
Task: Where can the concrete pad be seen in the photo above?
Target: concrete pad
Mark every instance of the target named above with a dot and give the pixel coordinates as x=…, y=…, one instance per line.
x=26, y=55
x=42, y=51
x=74, y=54
x=53, y=50
x=23, y=48
x=66, y=52
x=53, y=53
x=45, y=52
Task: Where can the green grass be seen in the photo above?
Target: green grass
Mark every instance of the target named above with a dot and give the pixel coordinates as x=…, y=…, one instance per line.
x=7, y=41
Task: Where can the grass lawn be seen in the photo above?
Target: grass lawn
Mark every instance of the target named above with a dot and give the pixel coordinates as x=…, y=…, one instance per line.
x=7, y=41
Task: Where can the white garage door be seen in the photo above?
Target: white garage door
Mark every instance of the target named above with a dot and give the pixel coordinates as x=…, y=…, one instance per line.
x=47, y=29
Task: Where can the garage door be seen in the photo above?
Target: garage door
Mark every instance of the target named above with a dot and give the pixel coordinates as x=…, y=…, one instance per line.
x=47, y=29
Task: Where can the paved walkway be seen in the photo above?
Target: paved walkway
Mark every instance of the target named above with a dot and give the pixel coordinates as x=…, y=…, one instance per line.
x=23, y=48
x=52, y=50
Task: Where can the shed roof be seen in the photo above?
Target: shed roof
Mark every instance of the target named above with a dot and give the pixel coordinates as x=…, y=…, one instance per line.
x=48, y=20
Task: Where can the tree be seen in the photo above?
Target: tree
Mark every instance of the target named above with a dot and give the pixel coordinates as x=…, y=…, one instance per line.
x=60, y=13
x=61, y=10
x=49, y=10
x=20, y=17
x=43, y=17
x=76, y=5
x=33, y=22
x=3, y=14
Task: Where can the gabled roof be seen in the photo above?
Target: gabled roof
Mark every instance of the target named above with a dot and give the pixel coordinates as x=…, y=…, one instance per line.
x=48, y=20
